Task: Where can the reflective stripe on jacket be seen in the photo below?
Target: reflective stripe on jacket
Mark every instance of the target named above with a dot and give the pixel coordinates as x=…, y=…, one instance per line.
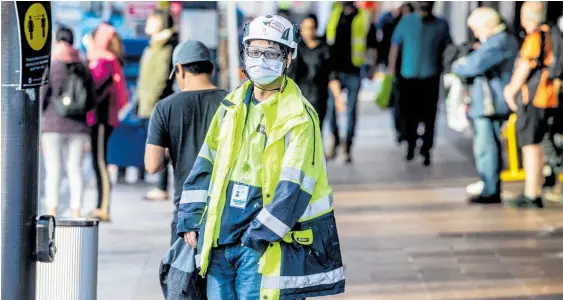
x=295, y=228
x=359, y=33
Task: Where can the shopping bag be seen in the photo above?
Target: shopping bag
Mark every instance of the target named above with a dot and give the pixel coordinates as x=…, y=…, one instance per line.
x=383, y=96
x=179, y=279
x=456, y=100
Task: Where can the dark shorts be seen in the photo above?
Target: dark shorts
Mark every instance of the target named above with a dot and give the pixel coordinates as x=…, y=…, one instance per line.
x=534, y=123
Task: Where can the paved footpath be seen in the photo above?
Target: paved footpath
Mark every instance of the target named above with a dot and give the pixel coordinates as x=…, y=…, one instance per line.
x=405, y=232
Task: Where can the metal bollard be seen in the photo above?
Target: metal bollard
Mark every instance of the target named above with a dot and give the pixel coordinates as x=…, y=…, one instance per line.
x=73, y=275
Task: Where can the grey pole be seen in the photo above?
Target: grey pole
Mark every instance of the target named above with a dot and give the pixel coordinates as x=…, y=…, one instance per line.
x=232, y=39
x=19, y=153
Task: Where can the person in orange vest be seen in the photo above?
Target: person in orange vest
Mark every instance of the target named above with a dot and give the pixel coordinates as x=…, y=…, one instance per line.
x=537, y=104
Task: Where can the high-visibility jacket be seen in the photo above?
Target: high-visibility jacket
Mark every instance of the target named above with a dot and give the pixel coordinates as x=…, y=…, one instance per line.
x=296, y=224
x=360, y=31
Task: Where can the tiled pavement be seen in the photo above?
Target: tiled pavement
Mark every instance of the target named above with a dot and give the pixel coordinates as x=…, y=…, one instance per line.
x=405, y=232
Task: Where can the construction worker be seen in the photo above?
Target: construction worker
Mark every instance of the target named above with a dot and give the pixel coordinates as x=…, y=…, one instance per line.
x=349, y=34
x=257, y=203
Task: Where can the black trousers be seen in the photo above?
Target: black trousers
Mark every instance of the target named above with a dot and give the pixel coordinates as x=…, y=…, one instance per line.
x=418, y=104
x=99, y=141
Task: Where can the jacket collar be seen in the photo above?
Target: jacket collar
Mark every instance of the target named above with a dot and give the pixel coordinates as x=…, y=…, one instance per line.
x=161, y=38
x=288, y=104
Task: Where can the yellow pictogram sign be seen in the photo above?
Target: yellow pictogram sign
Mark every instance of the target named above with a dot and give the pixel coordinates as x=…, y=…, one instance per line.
x=36, y=26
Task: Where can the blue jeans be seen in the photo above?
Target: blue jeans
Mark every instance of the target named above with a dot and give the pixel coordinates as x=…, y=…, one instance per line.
x=233, y=270
x=488, y=153
x=352, y=83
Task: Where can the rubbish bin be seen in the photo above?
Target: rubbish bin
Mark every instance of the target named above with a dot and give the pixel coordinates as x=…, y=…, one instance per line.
x=73, y=275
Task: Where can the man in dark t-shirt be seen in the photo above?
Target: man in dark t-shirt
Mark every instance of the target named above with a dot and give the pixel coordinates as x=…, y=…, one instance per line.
x=179, y=123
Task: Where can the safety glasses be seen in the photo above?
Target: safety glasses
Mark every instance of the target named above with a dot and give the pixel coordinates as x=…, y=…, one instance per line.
x=268, y=54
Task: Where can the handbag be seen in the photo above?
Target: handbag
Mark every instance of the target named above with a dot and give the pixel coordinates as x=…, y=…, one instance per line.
x=179, y=279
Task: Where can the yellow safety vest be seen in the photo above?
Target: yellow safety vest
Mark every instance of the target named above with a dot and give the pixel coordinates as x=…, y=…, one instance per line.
x=284, y=5
x=359, y=33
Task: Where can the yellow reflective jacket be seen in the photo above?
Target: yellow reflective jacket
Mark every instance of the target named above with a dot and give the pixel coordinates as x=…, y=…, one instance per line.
x=296, y=223
x=360, y=30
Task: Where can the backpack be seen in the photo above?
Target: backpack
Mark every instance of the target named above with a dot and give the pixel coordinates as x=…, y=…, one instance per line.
x=555, y=69
x=76, y=96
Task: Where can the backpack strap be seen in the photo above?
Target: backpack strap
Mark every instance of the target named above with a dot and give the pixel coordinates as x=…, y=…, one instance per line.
x=541, y=58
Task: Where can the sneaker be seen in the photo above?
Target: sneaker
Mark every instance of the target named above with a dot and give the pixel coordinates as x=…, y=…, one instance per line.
x=100, y=215
x=524, y=202
x=495, y=199
x=156, y=194
x=475, y=188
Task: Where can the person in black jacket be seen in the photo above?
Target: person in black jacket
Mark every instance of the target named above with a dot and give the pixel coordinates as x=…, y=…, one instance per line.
x=311, y=70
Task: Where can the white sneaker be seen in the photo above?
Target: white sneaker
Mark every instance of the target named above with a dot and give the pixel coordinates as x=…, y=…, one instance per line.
x=156, y=194
x=475, y=188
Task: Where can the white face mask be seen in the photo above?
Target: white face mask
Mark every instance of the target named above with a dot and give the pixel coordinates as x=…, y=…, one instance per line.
x=263, y=71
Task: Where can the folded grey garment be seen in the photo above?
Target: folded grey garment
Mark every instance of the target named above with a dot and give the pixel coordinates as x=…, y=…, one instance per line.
x=179, y=279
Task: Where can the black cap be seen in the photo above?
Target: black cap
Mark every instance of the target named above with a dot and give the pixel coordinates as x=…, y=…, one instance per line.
x=188, y=52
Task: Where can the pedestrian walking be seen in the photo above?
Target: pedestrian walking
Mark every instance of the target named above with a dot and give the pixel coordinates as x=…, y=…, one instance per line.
x=154, y=84
x=421, y=38
x=179, y=122
x=312, y=72
x=350, y=36
x=104, y=54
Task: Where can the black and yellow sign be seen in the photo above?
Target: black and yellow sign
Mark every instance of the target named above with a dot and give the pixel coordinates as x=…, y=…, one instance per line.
x=34, y=20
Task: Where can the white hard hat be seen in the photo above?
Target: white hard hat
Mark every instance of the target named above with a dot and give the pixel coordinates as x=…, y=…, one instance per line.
x=272, y=28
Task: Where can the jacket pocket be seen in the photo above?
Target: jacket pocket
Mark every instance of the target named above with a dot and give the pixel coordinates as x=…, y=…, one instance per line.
x=325, y=245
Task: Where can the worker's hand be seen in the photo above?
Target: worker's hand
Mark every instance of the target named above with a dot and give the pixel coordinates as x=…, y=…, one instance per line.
x=339, y=103
x=191, y=238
